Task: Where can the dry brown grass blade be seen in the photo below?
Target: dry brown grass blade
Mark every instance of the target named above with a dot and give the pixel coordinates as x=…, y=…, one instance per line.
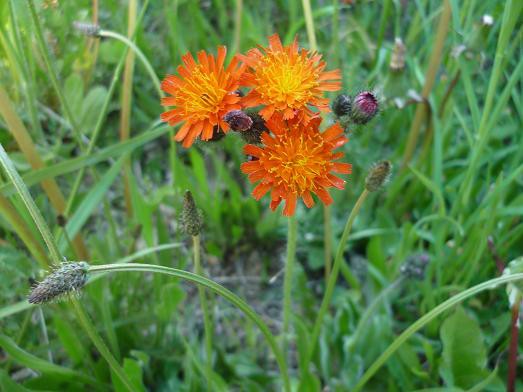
x=125, y=113
x=28, y=148
x=24, y=232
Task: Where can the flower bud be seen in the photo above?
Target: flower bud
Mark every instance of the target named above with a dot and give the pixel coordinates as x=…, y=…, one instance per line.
x=378, y=176
x=67, y=278
x=341, y=106
x=397, y=59
x=238, y=120
x=192, y=220
x=89, y=29
x=254, y=133
x=415, y=265
x=364, y=107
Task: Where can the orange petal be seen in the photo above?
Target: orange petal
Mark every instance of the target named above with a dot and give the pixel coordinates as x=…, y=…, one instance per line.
x=260, y=190
x=290, y=205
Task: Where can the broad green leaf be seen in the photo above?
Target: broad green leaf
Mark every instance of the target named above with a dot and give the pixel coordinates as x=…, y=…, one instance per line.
x=8, y=385
x=172, y=296
x=464, y=356
x=91, y=108
x=133, y=371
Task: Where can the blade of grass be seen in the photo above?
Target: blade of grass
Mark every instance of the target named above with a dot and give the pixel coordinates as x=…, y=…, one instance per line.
x=28, y=148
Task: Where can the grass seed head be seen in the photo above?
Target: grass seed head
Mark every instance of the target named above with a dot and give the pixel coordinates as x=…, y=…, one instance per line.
x=89, y=29
x=68, y=278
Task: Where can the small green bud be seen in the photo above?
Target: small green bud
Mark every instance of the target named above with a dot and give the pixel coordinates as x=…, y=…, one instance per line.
x=378, y=176
x=192, y=219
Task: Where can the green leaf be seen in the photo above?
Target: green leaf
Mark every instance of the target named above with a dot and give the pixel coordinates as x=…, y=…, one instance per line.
x=26, y=359
x=7, y=384
x=90, y=202
x=464, y=355
x=172, y=296
x=133, y=371
x=91, y=108
x=69, y=340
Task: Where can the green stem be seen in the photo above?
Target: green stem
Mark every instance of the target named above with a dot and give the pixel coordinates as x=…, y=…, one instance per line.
x=207, y=321
x=309, y=23
x=287, y=282
x=430, y=78
x=52, y=74
x=327, y=241
x=100, y=345
x=421, y=322
x=101, y=117
x=218, y=289
x=331, y=283
x=139, y=54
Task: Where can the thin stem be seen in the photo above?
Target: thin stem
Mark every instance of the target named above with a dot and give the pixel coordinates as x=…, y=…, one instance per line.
x=207, y=322
x=309, y=22
x=237, y=26
x=52, y=74
x=430, y=78
x=338, y=260
x=145, y=62
x=421, y=322
x=83, y=318
x=327, y=241
x=101, y=117
x=287, y=282
x=218, y=289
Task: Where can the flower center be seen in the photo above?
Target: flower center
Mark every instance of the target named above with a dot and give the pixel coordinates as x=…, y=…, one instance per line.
x=298, y=162
x=202, y=94
x=286, y=80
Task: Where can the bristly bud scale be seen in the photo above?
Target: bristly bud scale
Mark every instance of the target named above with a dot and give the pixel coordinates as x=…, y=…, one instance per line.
x=89, y=29
x=192, y=219
x=68, y=278
x=341, y=106
x=364, y=107
x=378, y=176
x=238, y=120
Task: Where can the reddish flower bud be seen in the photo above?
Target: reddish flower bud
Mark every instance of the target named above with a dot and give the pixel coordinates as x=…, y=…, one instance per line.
x=364, y=107
x=238, y=120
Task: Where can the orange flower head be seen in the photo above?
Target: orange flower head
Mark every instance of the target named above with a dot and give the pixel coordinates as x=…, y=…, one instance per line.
x=201, y=95
x=287, y=80
x=296, y=161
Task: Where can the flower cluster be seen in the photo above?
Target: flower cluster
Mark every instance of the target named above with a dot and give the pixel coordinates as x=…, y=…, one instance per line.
x=283, y=87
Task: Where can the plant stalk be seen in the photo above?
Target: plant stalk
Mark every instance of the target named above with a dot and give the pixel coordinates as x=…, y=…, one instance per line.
x=287, y=282
x=207, y=320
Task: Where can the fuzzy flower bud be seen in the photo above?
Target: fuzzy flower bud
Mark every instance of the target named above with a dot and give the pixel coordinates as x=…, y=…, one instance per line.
x=89, y=29
x=378, y=176
x=192, y=220
x=253, y=134
x=415, y=265
x=397, y=59
x=238, y=120
x=341, y=106
x=364, y=107
x=67, y=278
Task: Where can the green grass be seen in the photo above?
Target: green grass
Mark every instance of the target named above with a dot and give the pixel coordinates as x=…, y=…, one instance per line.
x=457, y=152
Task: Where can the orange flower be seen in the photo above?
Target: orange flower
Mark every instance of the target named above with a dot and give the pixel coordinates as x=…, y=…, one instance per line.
x=287, y=80
x=202, y=94
x=295, y=162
